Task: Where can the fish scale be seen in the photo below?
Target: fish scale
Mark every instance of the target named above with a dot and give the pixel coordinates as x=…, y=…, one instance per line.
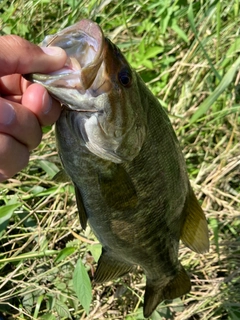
x=117, y=145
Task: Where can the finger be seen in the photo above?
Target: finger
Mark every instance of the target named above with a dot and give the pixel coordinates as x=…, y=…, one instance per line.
x=37, y=99
x=14, y=156
x=13, y=85
x=20, y=123
x=17, y=55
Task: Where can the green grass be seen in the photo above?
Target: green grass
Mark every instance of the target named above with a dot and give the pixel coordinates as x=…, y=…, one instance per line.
x=188, y=54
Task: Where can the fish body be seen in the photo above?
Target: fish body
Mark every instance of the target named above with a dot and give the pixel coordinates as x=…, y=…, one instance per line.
x=117, y=145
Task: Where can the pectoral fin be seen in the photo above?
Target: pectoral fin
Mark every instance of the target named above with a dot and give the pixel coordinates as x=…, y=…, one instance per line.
x=61, y=176
x=194, y=233
x=81, y=209
x=155, y=293
x=109, y=269
x=117, y=188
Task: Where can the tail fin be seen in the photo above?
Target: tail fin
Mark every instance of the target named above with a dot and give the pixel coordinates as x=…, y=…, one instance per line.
x=154, y=293
x=153, y=296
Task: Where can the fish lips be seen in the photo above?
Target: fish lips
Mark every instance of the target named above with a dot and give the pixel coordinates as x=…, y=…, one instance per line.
x=78, y=79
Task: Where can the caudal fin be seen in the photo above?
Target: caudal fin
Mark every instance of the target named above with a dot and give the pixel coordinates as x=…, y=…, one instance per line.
x=154, y=293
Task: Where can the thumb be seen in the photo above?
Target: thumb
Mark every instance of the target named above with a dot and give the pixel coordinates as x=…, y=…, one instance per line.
x=18, y=55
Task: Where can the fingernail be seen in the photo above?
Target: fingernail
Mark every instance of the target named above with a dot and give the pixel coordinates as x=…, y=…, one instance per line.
x=52, y=51
x=47, y=103
x=7, y=112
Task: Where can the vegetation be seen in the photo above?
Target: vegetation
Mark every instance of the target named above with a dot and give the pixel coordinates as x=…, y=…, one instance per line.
x=188, y=53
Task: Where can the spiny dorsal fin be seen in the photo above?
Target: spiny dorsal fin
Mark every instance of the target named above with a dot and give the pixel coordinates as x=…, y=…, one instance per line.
x=109, y=269
x=117, y=188
x=194, y=233
x=81, y=209
x=155, y=293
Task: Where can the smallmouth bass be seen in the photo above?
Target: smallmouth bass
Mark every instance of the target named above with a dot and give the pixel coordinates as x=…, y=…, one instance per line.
x=117, y=145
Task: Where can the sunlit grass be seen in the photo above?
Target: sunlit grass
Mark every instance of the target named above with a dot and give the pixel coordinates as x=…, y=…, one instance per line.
x=184, y=53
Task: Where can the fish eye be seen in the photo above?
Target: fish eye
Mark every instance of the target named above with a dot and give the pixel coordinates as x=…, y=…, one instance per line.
x=125, y=77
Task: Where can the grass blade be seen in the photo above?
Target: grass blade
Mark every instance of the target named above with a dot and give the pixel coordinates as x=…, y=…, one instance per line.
x=226, y=80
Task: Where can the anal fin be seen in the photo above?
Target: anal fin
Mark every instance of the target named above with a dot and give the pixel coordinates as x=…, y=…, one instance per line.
x=108, y=268
x=155, y=293
x=194, y=233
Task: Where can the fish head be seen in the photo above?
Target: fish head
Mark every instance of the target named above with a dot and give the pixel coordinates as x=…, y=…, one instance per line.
x=98, y=85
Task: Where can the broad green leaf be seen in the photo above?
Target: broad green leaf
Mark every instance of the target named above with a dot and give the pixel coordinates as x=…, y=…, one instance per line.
x=46, y=129
x=64, y=253
x=148, y=64
x=49, y=167
x=138, y=315
x=7, y=30
x=61, y=286
x=152, y=52
x=50, y=303
x=180, y=32
x=37, y=189
x=225, y=82
x=49, y=191
x=156, y=316
x=48, y=316
x=62, y=310
x=96, y=250
x=82, y=285
x=178, y=305
x=165, y=21
x=22, y=29
x=6, y=212
x=27, y=301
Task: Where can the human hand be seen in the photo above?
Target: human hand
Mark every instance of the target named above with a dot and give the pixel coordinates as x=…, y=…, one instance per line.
x=24, y=107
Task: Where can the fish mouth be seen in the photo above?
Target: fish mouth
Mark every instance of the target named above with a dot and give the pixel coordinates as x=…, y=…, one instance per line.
x=82, y=77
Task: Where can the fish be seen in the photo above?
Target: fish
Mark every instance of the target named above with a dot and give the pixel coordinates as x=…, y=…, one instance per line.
x=117, y=145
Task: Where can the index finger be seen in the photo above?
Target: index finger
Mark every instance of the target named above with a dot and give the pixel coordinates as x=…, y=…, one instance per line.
x=18, y=55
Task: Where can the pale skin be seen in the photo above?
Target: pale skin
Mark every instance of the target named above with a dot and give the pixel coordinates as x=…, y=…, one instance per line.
x=24, y=107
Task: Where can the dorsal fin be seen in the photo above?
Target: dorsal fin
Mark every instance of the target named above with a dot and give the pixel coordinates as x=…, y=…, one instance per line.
x=194, y=233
